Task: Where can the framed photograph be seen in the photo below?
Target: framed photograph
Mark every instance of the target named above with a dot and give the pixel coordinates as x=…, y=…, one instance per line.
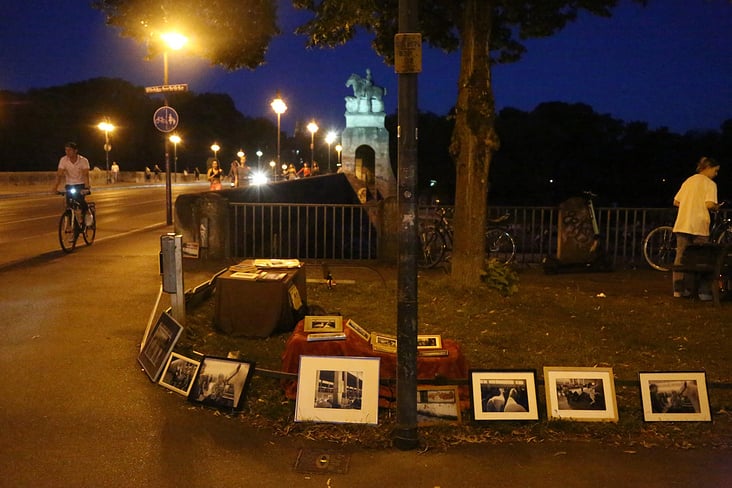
x=503, y=395
x=295, y=299
x=323, y=323
x=429, y=341
x=383, y=342
x=179, y=374
x=360, y=331
x=674, y=396
x=158, y=345
x=338, y=389
x=437, y=404
x=586, y=394
x=221, y=383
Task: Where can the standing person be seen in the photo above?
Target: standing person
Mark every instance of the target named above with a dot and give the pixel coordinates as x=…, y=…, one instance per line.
x=196, y=173
x=244, y=171
x=304, y=171
x=115, y=172
x=696, y=197
x=214, y=175
x=315, y=170
x=157, y=172
x=234, y=173
x=291, y=172
x=75, y=168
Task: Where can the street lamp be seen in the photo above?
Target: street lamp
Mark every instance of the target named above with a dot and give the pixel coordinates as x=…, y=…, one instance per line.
x=174, y=41
x=279, y=107
x=215, y=148
x=330, y=139
x=312, y=128
x=338, y=149
x=259, y=159
x=175, y=139
x=107, y=128
x=272, y=165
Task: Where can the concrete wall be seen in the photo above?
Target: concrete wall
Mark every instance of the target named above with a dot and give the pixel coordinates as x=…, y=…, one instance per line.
x=98, y=177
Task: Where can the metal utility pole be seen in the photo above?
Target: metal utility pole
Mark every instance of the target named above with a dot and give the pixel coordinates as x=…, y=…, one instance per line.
x=408, y=63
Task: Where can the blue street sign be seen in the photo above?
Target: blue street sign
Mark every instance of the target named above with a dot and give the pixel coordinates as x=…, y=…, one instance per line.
x=165, y=119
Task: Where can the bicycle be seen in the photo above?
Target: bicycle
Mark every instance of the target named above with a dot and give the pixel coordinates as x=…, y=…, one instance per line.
x=72, y=223
x=659, y=245
x=436, y=241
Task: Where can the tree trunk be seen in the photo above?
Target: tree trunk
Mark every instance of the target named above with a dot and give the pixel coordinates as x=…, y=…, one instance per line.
x=473, y=143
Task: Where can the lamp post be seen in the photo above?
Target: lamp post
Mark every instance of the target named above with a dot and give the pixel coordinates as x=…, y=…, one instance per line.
x=175, y=139
x=312, y=128
x=330, y=139
x=279, y=107
x=174, y=41
x=272, y=165
x=107, y=128
x=259, y=159
x=338, y=149
x=215, y=148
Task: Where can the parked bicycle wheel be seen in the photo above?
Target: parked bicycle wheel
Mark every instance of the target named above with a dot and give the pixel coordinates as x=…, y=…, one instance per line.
x=67, y=233
x=433, y=248
x=499, y=245
x=659, y=248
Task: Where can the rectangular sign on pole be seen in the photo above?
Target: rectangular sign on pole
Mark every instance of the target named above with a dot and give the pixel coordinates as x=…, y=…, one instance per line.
x=408, y=53
x=181, y=87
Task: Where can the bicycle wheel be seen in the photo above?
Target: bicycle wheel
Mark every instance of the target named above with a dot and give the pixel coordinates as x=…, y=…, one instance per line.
x=432, y=248
x=499, y=245
x=90, y=231
x=659, y=248
x=67, y=233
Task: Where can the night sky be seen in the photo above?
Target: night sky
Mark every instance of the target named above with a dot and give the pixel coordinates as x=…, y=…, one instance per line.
x=669, y=64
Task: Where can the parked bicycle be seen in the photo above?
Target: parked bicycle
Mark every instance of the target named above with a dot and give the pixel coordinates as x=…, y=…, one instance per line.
x=74, y=223
x=436, y=238
x=659, y=245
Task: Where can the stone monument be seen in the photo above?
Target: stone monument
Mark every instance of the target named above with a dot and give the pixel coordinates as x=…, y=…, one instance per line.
x=365, y=140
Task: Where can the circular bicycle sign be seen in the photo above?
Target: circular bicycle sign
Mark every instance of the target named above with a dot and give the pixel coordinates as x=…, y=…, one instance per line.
x=165, y=119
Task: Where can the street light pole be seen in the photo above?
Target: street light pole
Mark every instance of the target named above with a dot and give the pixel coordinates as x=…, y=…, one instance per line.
x=259, y=160
x=107, y=128
x=175, y=139
x=313, y=128
x=279, y=107
x=330, y=139
x=338, y=149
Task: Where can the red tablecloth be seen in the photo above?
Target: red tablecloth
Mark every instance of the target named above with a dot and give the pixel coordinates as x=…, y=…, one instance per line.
x=452, y=366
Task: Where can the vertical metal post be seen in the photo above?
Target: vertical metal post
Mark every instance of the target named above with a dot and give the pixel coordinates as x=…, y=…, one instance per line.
x=405, y=433
x=171, y=268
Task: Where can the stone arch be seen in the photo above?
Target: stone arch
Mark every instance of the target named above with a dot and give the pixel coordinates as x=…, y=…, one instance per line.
x=365, y=167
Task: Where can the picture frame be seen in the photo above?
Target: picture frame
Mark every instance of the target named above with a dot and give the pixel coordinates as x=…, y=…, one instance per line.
x=179, y=373
x=438, y=404
x=221, y=383
x=158, y=345
x=338, y=389
x=503, y=395
x=674, y=396
x=429, y=341
x=383, y=342
x=360, y=331
x=583, y=394
x=323, y=323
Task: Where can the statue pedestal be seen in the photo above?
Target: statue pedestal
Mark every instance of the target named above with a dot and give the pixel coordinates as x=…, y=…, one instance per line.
x=365, y=120
x=366, y=152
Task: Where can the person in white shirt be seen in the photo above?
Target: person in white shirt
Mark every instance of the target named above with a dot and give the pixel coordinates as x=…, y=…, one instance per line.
x=696, y=197
x=75, y=168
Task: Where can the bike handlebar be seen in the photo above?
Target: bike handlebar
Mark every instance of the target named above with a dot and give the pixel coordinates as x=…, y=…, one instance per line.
x=85, y=191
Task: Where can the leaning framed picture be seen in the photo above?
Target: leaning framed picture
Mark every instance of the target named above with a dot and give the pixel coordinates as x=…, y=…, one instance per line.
x=323, y=323
x=674, y=396
x=586, y=394
x=437, y=404
x=159, y=343
x=360, y=331
x=221, y=383
x=179, y=374
x=338, y=389
x=503, y=395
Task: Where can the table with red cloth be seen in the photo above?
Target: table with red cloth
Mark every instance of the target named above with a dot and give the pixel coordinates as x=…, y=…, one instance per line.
x=452, y=366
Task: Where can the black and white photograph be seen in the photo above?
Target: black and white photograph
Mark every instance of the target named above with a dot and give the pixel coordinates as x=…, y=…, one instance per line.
x=503, y=395
x=337, y=389
x=360, y=331
x=221, y=383
x=179, y=373
x=438, y=404
x=158, y=345
x=674, y=396
x=383, y=342
x=580, y=393
x=323, y=323
x=429, y=341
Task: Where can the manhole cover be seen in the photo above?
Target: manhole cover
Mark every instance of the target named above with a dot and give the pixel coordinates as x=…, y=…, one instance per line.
x=320, y=461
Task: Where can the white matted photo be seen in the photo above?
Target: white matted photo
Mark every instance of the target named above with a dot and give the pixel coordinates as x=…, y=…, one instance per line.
x=438, y=404
x=323, y=323
x=503, y=395
x=338, y=389
x=425, y=341
x=158, y=345
x=179, y=374
x=586, y=394
x=674, y=396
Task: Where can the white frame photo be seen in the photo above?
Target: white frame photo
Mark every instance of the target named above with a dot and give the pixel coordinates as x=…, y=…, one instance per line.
x=511, y=386
x=338, y=389
x=323, y=323
x=179, y=373
x=584, y=394
x=678, y=396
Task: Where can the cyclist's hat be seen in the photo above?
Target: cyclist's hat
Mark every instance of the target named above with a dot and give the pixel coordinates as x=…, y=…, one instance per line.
x=72, y=145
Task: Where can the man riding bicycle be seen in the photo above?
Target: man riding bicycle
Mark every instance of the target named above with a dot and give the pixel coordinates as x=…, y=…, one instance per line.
x=75, y=168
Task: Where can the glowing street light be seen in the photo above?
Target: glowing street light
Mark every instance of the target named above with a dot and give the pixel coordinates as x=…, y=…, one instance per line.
x=279, y=107
x=215, y=148
x=330, y=139
x=312, y=128
x=174, y=41
x=106, y=127
x=175, y=139
x=338, y=149
x=259, y=158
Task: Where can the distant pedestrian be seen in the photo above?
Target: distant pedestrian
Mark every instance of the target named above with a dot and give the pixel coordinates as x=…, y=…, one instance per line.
x=148, y=173
x=157, y=172
x=234, y=173
x=196, y=173
x=315, y=170
x=304, y=171
x=214, y=175
x=115, y=172
x=291, y=172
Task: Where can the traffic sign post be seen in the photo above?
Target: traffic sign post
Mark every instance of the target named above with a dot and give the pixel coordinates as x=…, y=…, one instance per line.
x=166, y=119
